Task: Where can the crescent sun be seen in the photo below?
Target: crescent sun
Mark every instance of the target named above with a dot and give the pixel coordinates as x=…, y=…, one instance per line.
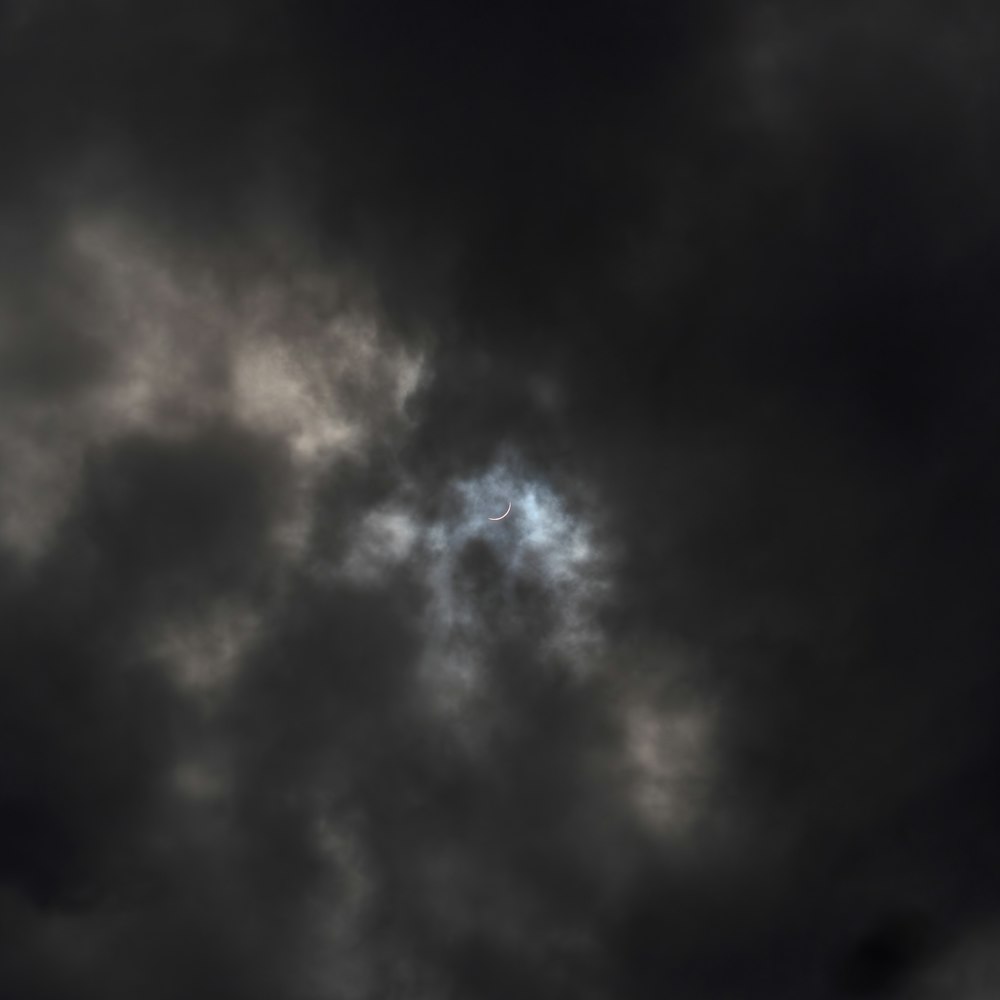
x=503, y=515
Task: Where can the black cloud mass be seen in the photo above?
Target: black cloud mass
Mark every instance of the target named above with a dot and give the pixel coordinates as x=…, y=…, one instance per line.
x=294, y=297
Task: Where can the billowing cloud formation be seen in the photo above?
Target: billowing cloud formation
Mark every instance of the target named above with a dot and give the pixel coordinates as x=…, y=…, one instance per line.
x=296, y=297
x=280, y=358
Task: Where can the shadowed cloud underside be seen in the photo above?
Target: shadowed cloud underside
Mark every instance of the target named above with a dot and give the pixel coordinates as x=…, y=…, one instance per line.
x=296, y=299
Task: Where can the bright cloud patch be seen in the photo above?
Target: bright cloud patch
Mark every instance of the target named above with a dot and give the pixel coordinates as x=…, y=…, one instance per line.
x=288, y=358
x=545, y=571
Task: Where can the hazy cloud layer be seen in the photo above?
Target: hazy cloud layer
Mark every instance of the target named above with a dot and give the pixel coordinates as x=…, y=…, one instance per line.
x=295, y=298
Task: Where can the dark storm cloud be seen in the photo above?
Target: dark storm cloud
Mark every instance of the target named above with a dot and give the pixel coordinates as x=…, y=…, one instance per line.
x=709, y=293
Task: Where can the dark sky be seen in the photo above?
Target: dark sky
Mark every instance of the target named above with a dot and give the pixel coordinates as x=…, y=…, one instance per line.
x=295, y=296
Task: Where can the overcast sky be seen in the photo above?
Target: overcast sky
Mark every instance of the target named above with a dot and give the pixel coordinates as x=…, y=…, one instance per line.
x=295, y=297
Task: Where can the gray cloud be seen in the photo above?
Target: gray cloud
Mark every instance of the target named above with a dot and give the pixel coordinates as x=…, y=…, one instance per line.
x=295, y=298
